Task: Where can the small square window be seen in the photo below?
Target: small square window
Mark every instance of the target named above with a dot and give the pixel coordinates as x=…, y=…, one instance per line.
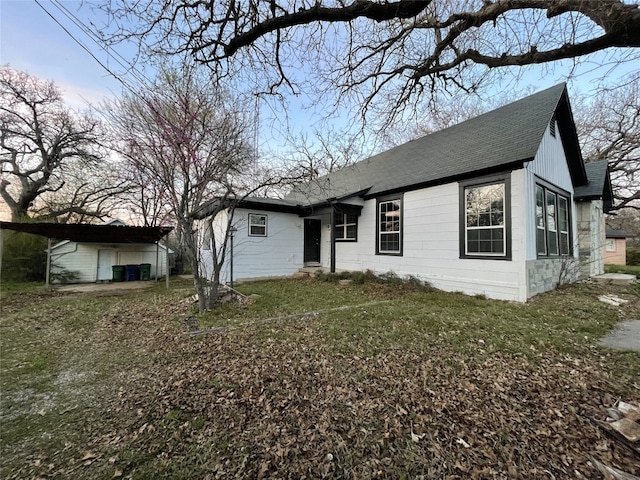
x=257, y=225
x=346, y=227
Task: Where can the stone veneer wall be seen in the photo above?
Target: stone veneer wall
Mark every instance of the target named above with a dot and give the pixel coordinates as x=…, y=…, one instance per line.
x=591, y=238
x=546, y=273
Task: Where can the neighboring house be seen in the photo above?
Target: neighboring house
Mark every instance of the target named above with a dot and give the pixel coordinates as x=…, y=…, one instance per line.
x=615, y=247
x=93, y=262
x=500, y=205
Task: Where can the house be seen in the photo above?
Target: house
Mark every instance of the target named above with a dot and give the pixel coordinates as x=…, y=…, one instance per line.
x=92, y=261
x=500, y=205
x=615, y=247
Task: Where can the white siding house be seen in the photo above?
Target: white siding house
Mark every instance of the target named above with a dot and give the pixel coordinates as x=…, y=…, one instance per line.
x=500, y=205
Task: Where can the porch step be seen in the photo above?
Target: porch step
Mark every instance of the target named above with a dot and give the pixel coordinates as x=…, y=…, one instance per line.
x=309, y=271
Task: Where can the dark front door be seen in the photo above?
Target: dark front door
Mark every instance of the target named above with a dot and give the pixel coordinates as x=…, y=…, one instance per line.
x=312, y=232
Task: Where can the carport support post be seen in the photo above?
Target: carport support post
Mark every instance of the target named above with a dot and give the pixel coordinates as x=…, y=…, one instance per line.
x=48, y=271
x=1, y=250
x=166, y=264
x=157, y=258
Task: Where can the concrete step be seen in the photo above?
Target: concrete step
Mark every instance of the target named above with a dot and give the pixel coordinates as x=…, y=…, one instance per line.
x=310, y=270
x=615, y=278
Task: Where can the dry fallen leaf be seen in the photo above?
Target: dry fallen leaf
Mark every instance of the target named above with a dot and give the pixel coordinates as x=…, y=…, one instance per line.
x=460, y=441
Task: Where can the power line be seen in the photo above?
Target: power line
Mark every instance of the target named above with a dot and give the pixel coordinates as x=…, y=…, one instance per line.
x=111, y=52
x=86, y=49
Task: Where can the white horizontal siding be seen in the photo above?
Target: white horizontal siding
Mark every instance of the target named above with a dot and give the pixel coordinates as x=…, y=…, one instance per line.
x=431, y=245
x=280, y=253
x=76, y=257
x=135, y=254
x=82, y=258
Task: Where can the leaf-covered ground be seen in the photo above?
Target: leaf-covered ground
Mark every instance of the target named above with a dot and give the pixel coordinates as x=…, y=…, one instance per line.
x=403, y=383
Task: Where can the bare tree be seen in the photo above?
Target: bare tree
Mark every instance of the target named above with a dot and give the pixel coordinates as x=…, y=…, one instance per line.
x=50, y=162
x=188, y=139
x=609, y=127
x=393, y=51
x=326, y=151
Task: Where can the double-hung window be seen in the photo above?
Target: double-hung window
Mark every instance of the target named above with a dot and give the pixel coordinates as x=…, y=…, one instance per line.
x=257, y=225
x=389, y=226
x=485, y=219
x=552, y=222
x=346, y=228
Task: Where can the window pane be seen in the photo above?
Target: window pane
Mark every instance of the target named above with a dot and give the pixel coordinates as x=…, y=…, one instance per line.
x=258, y=230
x=540, y=240
x=564, y=244
x=563, y=214
x=352, y=231
x=390, y=242
x=258, y=220
x=553, y=243
x=551, y=211
x=485, y=219
x=540, y=207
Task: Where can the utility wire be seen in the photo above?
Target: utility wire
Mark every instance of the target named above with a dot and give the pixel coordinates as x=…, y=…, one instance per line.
x=126, y=84
x=131, y=69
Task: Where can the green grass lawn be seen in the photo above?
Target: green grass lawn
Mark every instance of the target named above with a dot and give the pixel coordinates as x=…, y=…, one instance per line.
x=384, y=380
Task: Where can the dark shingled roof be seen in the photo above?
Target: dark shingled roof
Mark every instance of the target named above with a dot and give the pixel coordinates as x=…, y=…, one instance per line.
x=598, y=186
x=91, y=233
x=501, y=139
x=612, y=233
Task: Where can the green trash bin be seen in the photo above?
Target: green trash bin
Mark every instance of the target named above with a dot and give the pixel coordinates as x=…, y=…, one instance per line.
x=145, y=271
x=118, y=273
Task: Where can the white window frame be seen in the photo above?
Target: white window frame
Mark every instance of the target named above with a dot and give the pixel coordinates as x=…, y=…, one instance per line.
x=257, y=225
x=610, y=245
x=384, y=232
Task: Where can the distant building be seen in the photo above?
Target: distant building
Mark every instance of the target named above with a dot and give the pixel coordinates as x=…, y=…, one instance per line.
x=615, y=247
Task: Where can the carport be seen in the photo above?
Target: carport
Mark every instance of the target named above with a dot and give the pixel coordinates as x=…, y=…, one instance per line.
x=84, y=233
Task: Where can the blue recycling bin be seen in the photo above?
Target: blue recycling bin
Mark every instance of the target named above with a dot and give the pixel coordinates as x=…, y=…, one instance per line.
x=131, y=272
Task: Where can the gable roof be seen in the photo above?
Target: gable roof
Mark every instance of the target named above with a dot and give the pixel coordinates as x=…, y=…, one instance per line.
x=598, y=185
x=501, y=139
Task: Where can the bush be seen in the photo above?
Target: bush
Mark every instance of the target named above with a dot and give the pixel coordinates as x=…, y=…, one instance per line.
x=62, y=275
x=24, y=257
x=360, y=278
x=633, y=255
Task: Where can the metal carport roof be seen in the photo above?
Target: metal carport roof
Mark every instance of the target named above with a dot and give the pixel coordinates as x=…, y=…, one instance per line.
x=90, y=233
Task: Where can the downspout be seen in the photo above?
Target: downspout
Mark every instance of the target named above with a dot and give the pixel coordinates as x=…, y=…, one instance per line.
x=1, y=250
x=333, y=241
x=157, y=258
x=166, y=265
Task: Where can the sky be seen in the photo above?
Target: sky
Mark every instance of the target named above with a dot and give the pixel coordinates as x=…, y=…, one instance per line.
x=31, y=41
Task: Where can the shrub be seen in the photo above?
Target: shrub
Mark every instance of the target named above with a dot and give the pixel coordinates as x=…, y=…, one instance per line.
x=360, y=278
x=24, y=257
x=633, y=255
